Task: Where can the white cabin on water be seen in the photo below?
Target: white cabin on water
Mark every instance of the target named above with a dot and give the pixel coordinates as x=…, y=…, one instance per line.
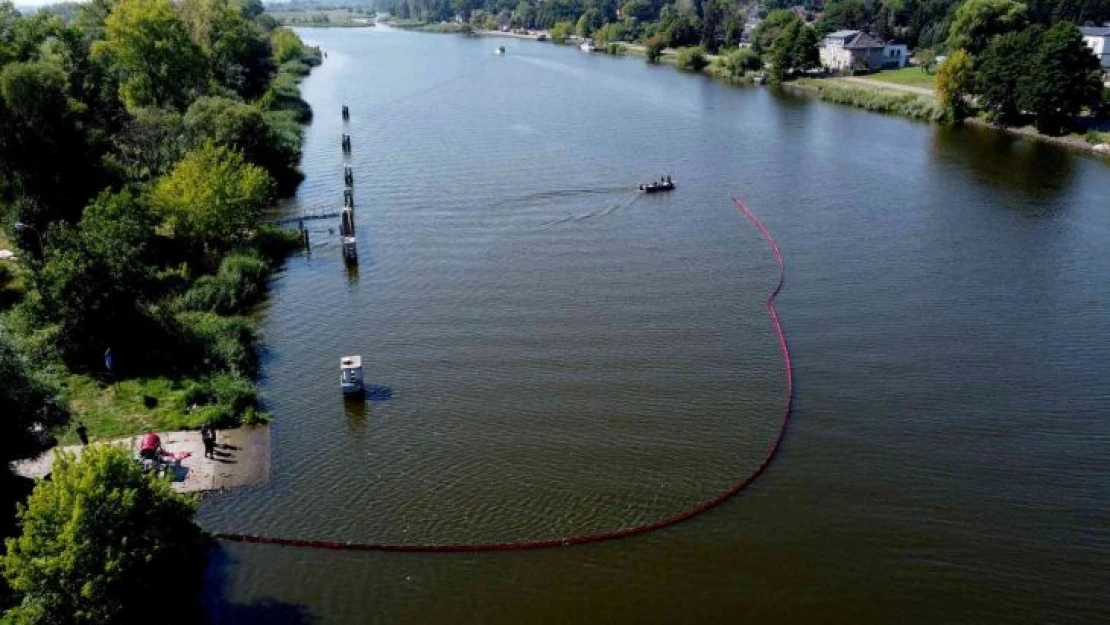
x=350, y=375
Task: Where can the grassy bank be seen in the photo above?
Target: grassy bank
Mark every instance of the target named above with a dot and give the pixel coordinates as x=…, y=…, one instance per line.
x=330, y=18
x=878, y=100
x=912, y=76
x=134, y=405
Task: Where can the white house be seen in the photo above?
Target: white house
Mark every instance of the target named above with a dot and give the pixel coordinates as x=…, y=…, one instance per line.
x=1097, y=39
x=852, y=49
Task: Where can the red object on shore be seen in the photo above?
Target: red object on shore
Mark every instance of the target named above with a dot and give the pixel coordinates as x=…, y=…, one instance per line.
x=150, y=442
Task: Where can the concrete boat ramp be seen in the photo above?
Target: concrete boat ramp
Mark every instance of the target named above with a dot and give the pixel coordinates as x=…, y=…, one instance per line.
x=242, y=459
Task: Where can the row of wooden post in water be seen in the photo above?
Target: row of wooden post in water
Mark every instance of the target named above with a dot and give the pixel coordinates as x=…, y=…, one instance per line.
x=347, y=216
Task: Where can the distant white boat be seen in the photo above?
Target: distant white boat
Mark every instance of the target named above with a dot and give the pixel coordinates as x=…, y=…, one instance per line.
x=588, y=46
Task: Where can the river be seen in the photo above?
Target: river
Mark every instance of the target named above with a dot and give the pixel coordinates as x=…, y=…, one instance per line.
x=550, y=353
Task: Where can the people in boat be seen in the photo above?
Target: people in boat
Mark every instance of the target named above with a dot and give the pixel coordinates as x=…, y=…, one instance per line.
x=151, y=446
x=669, y=180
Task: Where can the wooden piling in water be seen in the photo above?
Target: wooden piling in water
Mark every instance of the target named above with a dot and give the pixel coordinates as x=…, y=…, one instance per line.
x=346, y=113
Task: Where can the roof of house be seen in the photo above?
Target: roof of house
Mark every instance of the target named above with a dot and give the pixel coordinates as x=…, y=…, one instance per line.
x=1095, y=31
x=863, y=40
x=856, y=40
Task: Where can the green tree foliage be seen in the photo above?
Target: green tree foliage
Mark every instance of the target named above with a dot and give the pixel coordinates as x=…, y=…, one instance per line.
x=104, y=543
x=654, y=48
x=44, y=154
x=29, y=403
x=642, y=10
x=149, y=142
x=286, y=44
x=999, y=72
x=90, y=291
x=845, y=14
x=680, y=28
x=977, y=21
x=242, y=127
x=954, y=84
x=794, y=50
x=159, y=63
x=608, y=33
x=739, y=62
x=590, y=21
x=561, y=31
x=1062, y=78
x=238, y=52
x=691, y=59
x=212, y=197
x=767, y=33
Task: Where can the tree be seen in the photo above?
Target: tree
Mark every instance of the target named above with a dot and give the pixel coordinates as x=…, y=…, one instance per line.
x=769, y=30
x=560, y=32
x=1062, y=78
x=691, y=59
x=977, y=21
x=845, y=14
x=89, y=293
x=589, y=22
x=44, y=152
x=212, y=197
x=954, y=84
x=159, y=63
x=641, y=10
x=287, y=46
x=238, y=52
x=654, y=48
x=30, y=405
x=999, y=71
x=794, y=50
x=713, y=21
x=739, y=62
x=102, y=542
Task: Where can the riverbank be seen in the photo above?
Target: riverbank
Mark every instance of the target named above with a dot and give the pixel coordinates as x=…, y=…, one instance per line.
x=242, y=458
x=916, y=103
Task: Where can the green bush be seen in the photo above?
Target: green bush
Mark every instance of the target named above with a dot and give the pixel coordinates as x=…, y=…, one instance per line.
x=741, y=61
x=655, y=46
x=239, y=283
x=224, y=344
x=691, y=59
x=224, y=401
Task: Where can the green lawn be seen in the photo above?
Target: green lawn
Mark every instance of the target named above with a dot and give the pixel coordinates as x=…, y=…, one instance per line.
x=912, y=76
x=334, y=17
x=132, y=406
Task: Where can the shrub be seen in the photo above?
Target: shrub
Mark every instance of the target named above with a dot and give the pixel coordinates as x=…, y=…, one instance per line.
x=561, y=31
x=655, y=46
x=743, y=60
x=223, y=344
x=878, y=100
x=240, y=282
x=691, y=59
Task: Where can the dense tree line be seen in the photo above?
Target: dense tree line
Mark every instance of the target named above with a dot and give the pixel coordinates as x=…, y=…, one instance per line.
x=1016, y=68
x=139, y=142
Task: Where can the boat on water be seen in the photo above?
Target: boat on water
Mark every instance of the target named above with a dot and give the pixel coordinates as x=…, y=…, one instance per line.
x=541, y=37
x=663, y=184
x=500, y=50
x=350, y=375
x=588, y=46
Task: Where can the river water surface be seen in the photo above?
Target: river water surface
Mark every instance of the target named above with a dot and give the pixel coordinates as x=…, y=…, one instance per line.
x=550, y=354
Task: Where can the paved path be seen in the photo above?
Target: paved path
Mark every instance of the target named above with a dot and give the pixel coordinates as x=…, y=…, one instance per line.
x=242, y=459
x=877, y=84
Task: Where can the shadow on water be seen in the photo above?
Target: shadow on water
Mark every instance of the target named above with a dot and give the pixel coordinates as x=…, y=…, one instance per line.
x=1004, y=161
x=375, y=392
x=220, y=611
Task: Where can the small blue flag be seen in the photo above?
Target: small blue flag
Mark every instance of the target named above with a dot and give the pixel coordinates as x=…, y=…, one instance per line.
x=109, y=360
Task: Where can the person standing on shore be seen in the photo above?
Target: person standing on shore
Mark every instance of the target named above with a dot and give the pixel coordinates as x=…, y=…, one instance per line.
x=82, y=433
x=208, y=437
